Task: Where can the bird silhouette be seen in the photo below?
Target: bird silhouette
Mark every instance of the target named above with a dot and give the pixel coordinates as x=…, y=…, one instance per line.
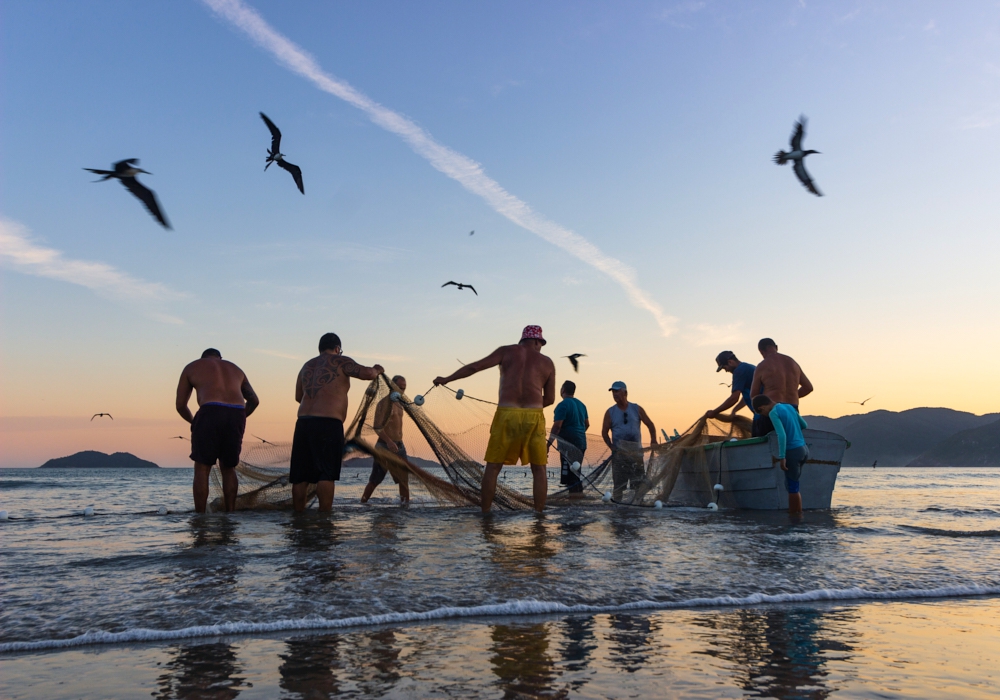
x=472, y=232
x=462, y=286
x=125, y=172
x=274, y=154
x=179, y=437
x=574, y=360
x=266, y=442
x=874, y=463
x=797, y=155
x=862, y=403
x=724, y=384
x=99, y=415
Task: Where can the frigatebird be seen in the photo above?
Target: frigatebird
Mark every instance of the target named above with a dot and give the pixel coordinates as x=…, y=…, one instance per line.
x=862, y=403
x=461, y=287
x=99, y=415
x=125, y=172
x=274, y=154
x=574, y=360
x=798, y=155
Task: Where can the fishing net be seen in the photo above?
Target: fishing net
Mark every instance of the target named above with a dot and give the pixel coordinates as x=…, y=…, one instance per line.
x=446, y=434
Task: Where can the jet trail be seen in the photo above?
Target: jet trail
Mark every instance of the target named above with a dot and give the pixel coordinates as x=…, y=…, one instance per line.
x=461, y=168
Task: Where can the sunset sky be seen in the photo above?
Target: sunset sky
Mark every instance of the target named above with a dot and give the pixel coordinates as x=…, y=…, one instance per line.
x=625, y=201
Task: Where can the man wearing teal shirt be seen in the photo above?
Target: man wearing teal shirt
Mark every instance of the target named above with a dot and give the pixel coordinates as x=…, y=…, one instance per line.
x=792, y=450
x=569, y=425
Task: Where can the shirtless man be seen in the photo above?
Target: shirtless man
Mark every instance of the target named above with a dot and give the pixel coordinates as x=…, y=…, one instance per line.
x=318, y=444
x=225, y=399
x=527, y=385
x=780, y=378
x=389, y=428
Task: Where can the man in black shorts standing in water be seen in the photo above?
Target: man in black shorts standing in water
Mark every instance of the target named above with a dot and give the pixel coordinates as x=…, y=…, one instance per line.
x=225, y=399
x=318, y=445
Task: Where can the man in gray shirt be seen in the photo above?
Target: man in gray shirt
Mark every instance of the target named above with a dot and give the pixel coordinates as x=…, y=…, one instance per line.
x=625, y=440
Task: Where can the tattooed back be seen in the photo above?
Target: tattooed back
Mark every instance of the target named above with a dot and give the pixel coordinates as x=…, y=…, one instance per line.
x=323, y=383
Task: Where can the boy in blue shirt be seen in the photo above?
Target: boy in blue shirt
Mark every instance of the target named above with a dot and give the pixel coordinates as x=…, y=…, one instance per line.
x=569, y=425
x=792, y=450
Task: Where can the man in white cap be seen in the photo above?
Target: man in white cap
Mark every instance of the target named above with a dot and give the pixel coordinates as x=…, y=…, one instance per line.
x=527, y=385
x=625, y=440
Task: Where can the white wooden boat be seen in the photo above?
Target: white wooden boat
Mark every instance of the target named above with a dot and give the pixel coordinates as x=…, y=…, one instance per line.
x=750, y=474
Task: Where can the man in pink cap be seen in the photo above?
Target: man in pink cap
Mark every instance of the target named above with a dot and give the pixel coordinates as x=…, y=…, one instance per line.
x=527, y=385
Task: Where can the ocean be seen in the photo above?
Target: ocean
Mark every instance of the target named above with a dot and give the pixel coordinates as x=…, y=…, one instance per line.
x=893, y=593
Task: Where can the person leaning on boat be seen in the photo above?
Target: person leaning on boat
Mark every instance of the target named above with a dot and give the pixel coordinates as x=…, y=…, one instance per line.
x=792, y=449
x=780, y=378
x=622, y=421
x=742, y=381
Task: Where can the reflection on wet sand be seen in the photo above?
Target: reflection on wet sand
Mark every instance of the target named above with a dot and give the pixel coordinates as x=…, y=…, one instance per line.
x=310, y=539
x=780, y=653
x=520, y=549
x=630, y=636
x=308, y=669
x=202, y=672
x=521, y=661
x=210, y=562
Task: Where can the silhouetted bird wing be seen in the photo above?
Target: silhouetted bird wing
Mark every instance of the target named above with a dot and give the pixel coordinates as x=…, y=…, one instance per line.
x=576, y=364
x=867, y=400
x=147, y=197
x=295, y=171
x=106, y=173
x=472, y=232
x=447, y=283
x=472, y=288
x=800, y=172
x=800, y=131
x=275, y=134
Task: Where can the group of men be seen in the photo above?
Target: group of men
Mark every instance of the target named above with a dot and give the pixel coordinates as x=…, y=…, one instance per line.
x=527, y=386
x=771, y=391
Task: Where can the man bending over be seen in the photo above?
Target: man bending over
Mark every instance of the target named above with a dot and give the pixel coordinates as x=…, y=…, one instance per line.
x=389, y=428
x=527, y=385
x=225, y=399
x=318, y=444
x=792, y=450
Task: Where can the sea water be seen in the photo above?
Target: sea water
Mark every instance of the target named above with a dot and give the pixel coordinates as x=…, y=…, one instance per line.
x=895, y=591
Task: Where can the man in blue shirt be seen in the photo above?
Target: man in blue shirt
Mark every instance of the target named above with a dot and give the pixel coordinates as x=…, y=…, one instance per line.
x=742, y=380
x=792, y=450
x=569, y=425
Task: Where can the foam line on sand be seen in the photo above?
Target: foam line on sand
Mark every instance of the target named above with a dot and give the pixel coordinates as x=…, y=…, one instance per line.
x=512, y=608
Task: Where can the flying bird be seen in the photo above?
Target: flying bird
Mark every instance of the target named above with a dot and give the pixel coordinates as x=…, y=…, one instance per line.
x=862, y=403
x=574, y=360
x=461, y=287
x=179, y=437
x=472, y=232
x=798, y=155
x=266, y=442
x=274, y=154
x=874, y=463
x=125, y=172
x=100, y=415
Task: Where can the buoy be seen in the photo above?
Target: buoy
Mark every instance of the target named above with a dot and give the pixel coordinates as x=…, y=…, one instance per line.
x=607, y=496
x=88, y=511
x=162, y=510
x=419, y=399
x=713, y=506
x=3, y=515
x=718, y=487
x=575, y=467
x=394, y=397
x=733, y=440
x=459, y=394
x=658, y=504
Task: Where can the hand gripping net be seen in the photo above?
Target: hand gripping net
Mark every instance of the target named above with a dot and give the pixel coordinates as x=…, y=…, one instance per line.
x=460, y=428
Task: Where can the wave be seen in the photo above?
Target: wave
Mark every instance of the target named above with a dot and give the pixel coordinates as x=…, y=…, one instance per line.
x=509, y=609
x=962, y=511
x=953, y=533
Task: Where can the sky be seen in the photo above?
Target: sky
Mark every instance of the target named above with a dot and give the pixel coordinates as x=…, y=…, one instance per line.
x=613, y=159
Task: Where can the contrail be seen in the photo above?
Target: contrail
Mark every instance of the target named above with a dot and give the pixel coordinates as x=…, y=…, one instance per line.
x=463, y=169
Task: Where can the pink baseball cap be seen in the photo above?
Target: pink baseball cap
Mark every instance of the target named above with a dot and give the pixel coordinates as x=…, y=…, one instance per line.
x=533, y=333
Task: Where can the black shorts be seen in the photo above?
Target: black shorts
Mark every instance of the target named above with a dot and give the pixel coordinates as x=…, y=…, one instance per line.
x=217, y=435
x=317, y=450
x=378, y=471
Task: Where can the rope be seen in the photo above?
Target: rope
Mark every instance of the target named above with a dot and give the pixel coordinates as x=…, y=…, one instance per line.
x=467, y=396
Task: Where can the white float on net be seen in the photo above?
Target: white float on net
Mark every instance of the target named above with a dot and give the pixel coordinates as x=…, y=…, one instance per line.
x=419, y=399
x=713, y=506
x=162, y=510
x=3, y=515
x=575, y=467
x=394, y=396
x=658, y=504
x=459, y=394
x=718, y=487
x=607, y=496
x=88, y=511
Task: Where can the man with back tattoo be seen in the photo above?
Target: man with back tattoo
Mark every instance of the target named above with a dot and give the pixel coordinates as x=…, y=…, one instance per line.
x=318, y=444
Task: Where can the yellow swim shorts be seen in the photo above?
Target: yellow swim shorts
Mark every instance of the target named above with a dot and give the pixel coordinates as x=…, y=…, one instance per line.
x=517, y=433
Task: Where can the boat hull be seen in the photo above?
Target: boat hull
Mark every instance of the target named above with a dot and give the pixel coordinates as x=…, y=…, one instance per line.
x=751, y=475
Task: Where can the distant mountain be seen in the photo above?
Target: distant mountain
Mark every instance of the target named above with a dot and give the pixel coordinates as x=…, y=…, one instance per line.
x=366, y=463
x=975, y=447
x=897, y=439
x=91, y=459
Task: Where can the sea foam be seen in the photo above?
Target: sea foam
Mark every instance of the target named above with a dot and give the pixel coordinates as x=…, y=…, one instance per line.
x=509, y=609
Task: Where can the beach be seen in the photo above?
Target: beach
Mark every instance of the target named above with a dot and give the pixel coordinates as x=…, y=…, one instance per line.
x=893, y=592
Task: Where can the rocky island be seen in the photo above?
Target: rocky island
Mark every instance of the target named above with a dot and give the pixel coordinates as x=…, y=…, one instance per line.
x=91, y=459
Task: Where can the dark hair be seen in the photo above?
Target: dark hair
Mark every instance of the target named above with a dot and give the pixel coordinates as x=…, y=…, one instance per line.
x=211, y=352
x=569, y=387
x=329, y=341
x=395, y=380
x=766, y=343
x=760, y=401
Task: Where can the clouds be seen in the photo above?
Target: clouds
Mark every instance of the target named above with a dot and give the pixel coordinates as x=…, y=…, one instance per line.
x=18, y=252
x=704, y=334
x=457, y=166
